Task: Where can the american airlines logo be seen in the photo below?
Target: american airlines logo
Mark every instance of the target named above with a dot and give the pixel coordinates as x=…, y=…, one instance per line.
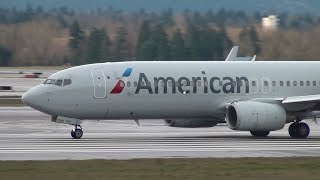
x=157, y=85
x=118, y=88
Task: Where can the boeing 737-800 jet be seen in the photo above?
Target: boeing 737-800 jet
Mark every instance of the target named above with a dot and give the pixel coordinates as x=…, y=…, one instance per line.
x=249, y=96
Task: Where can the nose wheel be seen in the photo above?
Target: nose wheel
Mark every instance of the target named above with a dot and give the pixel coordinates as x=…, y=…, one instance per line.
x=299, y=130
x=77, y=132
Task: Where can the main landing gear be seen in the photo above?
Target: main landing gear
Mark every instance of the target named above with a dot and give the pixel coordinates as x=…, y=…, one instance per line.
x=299, y=130
x=77, y=132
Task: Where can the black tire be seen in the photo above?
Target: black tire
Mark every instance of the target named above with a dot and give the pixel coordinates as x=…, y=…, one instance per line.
x=72, y=134
x=260, y=133
x=303, y=130
x=293, y=130
x=77, y=133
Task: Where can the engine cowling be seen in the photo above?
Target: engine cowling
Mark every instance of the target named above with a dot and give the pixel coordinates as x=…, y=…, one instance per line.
x=190, y=123
x=255, y=116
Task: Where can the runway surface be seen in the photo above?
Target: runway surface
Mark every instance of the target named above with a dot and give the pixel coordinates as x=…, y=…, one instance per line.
x=26, y=134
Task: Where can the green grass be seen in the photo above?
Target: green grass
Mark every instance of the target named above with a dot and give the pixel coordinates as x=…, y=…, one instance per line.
x=224, y=169
x=10, y=101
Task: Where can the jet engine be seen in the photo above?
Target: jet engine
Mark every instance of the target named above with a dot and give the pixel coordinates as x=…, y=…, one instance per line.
x=255, y=116
x=190, y=123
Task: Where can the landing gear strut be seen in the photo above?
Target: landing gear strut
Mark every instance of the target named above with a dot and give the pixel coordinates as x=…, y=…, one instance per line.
x=77, y=132
x=299, y=130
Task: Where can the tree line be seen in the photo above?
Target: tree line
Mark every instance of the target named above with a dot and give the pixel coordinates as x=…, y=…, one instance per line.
x=34, y=36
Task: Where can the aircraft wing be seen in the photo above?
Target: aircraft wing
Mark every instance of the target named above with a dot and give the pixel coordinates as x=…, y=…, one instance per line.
x=298, y=99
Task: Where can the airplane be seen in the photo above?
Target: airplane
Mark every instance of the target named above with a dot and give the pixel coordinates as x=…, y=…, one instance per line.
x=254, y=96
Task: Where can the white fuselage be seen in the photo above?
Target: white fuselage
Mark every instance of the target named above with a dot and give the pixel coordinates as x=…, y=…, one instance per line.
x=152, y=90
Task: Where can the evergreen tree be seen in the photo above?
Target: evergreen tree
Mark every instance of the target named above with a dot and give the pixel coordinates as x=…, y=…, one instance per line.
x=161, y=38
x=225, y=43
x=178, y=49
x=76, y=43
x=77, y=35
x=255, y=40
x=121, y=44
x=144, y=35
x=193, y=42
x=249, y=42
x=98, y=46
x=5, y=56
x=149, y=51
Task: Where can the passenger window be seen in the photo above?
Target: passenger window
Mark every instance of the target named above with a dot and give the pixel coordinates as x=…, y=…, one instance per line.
x=308, y=83
x=58, y=82
x=288, y=83
x=266, y=83
x=281, y=83
x=294, y=83
x=66, y=82
x=49, y=81
x=274, y=83
x=128, y=83
x=314, y=83
x=301, y=83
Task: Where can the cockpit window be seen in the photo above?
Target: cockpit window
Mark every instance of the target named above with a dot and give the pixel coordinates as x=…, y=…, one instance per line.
x=49, y=81
x=58, y=82
x=67, y=82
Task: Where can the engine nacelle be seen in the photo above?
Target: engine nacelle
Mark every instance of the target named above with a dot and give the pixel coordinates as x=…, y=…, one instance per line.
x=190, y=123
x=255, y=116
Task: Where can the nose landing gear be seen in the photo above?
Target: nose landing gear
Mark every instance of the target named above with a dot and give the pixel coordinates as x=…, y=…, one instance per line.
x=77, y=132
x=299, y=130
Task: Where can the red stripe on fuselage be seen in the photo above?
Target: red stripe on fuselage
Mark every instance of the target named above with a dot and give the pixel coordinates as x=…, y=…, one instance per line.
x=118, y=88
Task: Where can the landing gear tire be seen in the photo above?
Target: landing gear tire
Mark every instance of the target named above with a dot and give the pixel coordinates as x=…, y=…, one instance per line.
x=299, y=130
x=76, y=133
x=260, y=133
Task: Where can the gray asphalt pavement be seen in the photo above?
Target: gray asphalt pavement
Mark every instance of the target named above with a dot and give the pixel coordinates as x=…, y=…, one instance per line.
x=26, y=134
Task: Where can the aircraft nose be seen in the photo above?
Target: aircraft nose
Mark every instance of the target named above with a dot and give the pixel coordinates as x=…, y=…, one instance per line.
x=34, y=98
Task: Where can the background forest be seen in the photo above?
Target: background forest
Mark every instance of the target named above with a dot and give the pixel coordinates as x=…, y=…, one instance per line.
x=34, y=35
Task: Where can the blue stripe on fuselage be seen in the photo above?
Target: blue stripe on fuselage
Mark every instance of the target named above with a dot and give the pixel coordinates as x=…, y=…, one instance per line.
x=127, y=72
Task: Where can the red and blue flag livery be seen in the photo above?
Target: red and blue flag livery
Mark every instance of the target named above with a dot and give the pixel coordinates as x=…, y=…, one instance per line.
x=118, y=88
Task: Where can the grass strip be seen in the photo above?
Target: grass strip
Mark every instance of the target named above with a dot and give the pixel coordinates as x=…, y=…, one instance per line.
x=11, y=101
x=136, y=169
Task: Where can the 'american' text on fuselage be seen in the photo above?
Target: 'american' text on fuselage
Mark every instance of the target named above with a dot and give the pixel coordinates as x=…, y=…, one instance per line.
x=189, y=85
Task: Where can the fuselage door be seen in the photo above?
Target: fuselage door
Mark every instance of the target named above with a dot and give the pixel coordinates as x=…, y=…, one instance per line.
x=99, y=84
